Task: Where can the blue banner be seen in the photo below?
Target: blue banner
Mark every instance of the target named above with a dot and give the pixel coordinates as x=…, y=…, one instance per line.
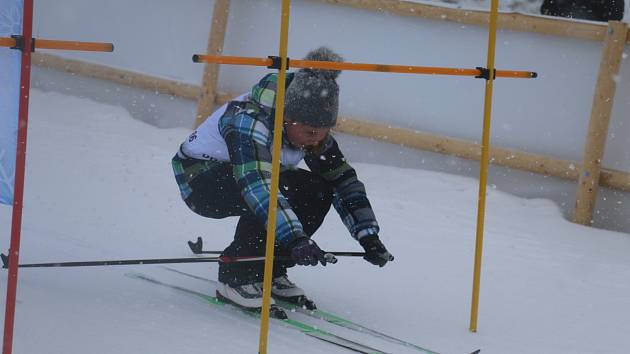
x=11, y=12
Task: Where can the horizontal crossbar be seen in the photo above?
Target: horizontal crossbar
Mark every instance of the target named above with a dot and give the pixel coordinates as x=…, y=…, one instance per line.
x=60, y=45
x=403, y=69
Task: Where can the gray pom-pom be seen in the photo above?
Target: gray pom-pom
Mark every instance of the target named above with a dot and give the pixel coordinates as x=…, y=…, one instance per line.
x=324, y=54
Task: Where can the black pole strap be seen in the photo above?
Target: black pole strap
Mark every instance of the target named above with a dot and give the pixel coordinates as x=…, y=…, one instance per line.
x=275, y=62
x=485, y=73
x=19, y=42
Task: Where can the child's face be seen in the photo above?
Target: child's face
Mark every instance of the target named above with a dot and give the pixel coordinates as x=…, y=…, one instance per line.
x=305, y=136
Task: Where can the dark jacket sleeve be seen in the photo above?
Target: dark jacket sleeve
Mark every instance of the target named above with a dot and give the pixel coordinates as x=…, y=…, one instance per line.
x=350, y=200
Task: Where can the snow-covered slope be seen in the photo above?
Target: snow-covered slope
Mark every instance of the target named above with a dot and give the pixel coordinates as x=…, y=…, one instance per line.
x=99, y=186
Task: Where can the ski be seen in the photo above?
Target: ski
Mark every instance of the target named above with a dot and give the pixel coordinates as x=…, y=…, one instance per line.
x=305, y=328
x=326, y=316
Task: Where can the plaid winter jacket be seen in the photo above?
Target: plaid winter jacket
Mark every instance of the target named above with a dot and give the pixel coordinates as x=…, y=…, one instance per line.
x=247, y=128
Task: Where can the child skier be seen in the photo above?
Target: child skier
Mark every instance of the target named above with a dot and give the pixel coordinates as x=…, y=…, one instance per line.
x=224, y=169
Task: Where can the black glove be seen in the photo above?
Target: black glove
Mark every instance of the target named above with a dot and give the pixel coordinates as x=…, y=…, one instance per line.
x=375, y=251
x=305, y=251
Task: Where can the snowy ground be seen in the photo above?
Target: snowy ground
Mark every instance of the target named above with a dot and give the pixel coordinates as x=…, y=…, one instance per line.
x=99, y=186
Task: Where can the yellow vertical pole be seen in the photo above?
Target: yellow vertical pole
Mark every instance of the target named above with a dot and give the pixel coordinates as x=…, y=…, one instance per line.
x=485, y=157
x=275, y=178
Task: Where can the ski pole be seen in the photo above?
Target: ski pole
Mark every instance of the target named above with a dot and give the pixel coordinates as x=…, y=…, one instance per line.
x=5, y=261
x=197, y=248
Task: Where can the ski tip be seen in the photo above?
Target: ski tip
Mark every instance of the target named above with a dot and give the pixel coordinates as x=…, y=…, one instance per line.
x=476, y=351
x=5, y=261
x=196, y=247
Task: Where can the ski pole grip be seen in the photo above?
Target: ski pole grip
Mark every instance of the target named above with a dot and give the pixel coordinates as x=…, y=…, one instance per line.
x=196, y=247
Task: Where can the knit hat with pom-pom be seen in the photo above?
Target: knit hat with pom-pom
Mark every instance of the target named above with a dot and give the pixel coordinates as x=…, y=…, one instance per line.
x=313, y=96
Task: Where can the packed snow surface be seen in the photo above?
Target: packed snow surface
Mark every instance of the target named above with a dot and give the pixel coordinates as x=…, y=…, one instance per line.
x=99, y=186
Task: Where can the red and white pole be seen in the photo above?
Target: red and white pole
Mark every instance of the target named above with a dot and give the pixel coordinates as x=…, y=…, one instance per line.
x=20, y=164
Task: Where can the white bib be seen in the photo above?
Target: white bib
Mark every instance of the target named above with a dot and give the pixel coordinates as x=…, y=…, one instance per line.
x=208, y=142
